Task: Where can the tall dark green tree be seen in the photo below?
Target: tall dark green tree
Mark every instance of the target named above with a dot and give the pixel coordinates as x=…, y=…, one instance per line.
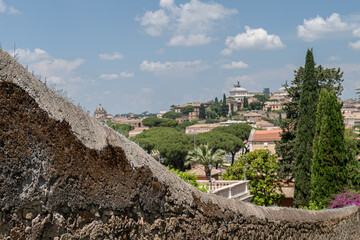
x=224, y=107
x=305, y=132
x=202, y=111
x=328, y=171
x=246, y=103
x=329, y=78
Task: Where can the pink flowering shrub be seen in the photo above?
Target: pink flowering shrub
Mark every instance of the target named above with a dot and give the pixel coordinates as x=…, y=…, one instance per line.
x=346, y=198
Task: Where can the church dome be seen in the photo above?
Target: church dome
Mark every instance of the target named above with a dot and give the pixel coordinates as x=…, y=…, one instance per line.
x=238, y=89
x=100, y=110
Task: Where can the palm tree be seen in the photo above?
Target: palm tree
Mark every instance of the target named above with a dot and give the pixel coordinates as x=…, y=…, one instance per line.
x=204, y=155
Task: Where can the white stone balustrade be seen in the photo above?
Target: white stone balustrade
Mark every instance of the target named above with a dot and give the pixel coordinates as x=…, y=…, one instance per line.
x=235, y=189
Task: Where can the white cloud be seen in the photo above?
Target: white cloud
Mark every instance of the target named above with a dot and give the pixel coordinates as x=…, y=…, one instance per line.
x=154, y=22
x=235, y=65
x=315, y=28
x=257, y=39
x=111, y=56
x=4, y=8
x=147, y=90
x=113, y=76
x=334, y=58
x=226, y=52
x=356, y=32
x=191, y=40
x=166, y=3
x=244, y=79
x=26, y=55
x=190, y=24
x=54, y=69
x=196, y=65
x=160, y=51
x=13, y=10
x=126, y=75
x=355, y=45
x=109, y=76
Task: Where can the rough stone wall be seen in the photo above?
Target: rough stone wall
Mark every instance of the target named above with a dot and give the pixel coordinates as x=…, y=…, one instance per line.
x=65, y=176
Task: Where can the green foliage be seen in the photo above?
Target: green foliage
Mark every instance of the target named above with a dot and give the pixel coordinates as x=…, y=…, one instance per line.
x=262, y=98
x=172, y=108
x=278, y=111
x=210, y=115
x=313, y=206
x=328, y=172
x=305, y=132
x=276, y=122
x=325, y=78
x=202, y=112
x=353, y=166
x=123, y=129
x=262, y=175
x=172, y=144
x=246, y=102
x=204, y=155
x=182, y=126
x=224, y=107
x=255, y=105
x=171, y=114
x=189, y=178
x=229, y=138
x=152, y=121
x=159, y=122
x=186, y=110
x=210, y=120
x=168, y=122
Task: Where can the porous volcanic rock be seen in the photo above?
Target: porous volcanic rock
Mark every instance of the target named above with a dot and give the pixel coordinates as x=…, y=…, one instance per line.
x=64, y=175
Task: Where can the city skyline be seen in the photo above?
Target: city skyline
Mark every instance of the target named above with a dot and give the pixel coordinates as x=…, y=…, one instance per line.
x=147, y=55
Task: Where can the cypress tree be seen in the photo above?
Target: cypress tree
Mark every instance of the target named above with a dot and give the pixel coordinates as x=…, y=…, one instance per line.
x=224, y=107
x=202, y=111
x=246, y=103
x=305, y=133
x=328, y=172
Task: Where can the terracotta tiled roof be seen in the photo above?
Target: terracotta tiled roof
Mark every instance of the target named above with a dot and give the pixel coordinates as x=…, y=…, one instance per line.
x=267, y=135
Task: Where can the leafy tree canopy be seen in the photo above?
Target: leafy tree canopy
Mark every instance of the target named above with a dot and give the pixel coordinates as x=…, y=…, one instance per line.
x=159, y=122
x=123, y=129
x=262, y=175
x=187, y=109
x=171, y=114
x=255, y=105
x=229, y=138
x=172, y=144
x=151, y=122
x=262, y=98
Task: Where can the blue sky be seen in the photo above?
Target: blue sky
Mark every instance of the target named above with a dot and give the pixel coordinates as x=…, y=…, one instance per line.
x=142, y=55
